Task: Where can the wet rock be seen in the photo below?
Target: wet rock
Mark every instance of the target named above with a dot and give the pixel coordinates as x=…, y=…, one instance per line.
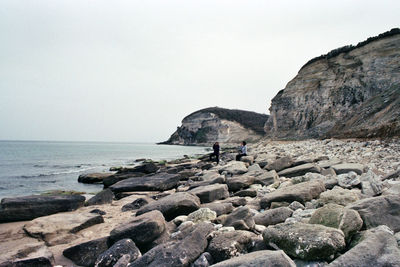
x=219, y=208
x=157, y=182
x=259, y=258
x=348, y=180
x=209, y=193
x=301, y=192
x=300, y=170
x=103, y=197
x=85, y=254
x=93, y=178
x=349, y=167
x=111, y=256
x=383, y=210
x=241, y=218
x=273, y=216
x=280, y=164
x=305, y=241
x=338, y=196
x=30, y=207
x=202, y=215
x=181, y=203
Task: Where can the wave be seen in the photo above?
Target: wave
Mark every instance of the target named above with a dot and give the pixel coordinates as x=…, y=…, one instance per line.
x=57, y=166
x=56, y=173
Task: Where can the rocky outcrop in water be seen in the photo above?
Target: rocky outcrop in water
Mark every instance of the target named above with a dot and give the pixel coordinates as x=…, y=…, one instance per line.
x=218, y=124
x=353, y=91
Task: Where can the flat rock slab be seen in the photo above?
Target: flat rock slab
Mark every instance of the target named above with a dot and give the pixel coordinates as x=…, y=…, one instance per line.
x=51, y=228
x=238, y=182
x=85, y=254
x=383, y=210
x=259, y=258
x=338, y=196
x=157, y=182
x=300, y=170
x=305, y=241
x=241, y=219
x=348, y=167
x=111, y=256
x=234, y=168
x=301, y=192
x=30, y=207
x=93, y=178
x=209, y=193
x=103, y=197
x=181, y=203
x=273, y=216
x=219, y=208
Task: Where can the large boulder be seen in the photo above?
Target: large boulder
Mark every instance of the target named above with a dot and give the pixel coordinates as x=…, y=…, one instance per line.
x=338, y=196
x=146, y=167
x=280, y=164
x=241, y=219
x=383, y=210
x=93, y=178
x=103, y=197
x=234, y=168
x=111, y=256
x=177, y=253
x=209, y=193
x=300, y=170
x=267, y=178
x=301, y=192
x=181, y=203
x=220, y=179
x=219, y=208
x=376, y=247
x=305, y=241
x=259, y=258
x=156, y=182
x=85, y=254
x=238, y=182
x=371, y=184
x=30, y=207
x=226, y=245
x=348, y=167
x=142, y=229
x=273, y=216
x=348, y=180
x=339, y=217
x=202, y=215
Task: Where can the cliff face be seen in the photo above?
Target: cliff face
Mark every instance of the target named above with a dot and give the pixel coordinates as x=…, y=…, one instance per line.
x=350, y=92
x=217, y=124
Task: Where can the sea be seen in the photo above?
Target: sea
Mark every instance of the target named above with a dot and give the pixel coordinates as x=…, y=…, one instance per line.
x=36, y=167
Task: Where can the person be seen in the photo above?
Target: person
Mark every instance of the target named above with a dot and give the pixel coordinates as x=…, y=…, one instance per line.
x=216, y=152
x=242, y=151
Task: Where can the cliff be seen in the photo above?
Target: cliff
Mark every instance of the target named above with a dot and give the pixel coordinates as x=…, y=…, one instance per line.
x=218, y=124
x=353, y=91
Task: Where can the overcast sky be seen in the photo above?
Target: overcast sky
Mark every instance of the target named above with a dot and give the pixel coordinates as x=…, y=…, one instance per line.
x=131, y=70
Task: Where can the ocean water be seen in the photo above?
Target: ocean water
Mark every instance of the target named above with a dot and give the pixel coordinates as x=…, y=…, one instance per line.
x=34, y=167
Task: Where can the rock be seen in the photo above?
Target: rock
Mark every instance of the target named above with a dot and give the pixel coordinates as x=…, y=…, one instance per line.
x=383, y=210
x=246, y=193
x=348, y=180
x=392, y=190
x=301, y=192
x=378, y=247
x=305, y=241
x=181, y=203
x=392, y=175
x=137, y=204
x=142, y=229
x=241, y=218
x=111, y=256
x=327, y=164
x=30, y=207
x=204, y=260
x=371, y=184
x=238, y=182
x=338, y=196
x=235, y=201
x=247, y=159
x=93, y=178
x=177, y=253
x=103, y=197
x=259, y=258
x=147, y=168
x=202, y=215
x=280, y=164
x=273, y=216
x=186, y=174
x=85, y=254
x=180, y=219
x=254, y=168
x=328, y=172
x=234, y=168
x=27, y=257
x=56, y=229
x=209, y=193
x=267, y=178
x=339, y=217
x=113, y=179
x=348, y=167
x=220, y=179
x=295, y=205
x=227, y=245
x=300, y=170
x=157, y=182
x=123, y=261
x=210, y=175
x=219, y=208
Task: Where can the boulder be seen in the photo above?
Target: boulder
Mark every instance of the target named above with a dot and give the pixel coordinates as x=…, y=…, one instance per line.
x=338, y=196
x=255, y=168
x=122, y=247
x=305, y=241
x=241, y=218
x=247, y=159
x=259, y=258
x=377, y=247
x=295, y=205
x=104, y=197
x=220, y=179
x=137, y=204
x=142, y=229
x=177, y=253
x=392, y=190
x=371, y=184
x=300, y=170
x=267, y=178
x=301, y=192
x=383, y=210
x=273, y=216
x=339, y=217
x=57, y=228
x=181, y=203
x=238, y=182
x=146, y=167
x=204, y=260
x=234, y=168
x=157, y=182
x=219, y=208
x=202, y=215
x=30, y=207
x=348, y=167
x=246, y=193
x=348, y=180
x=235, y=201
x=93, y=178
x=85, y=254
x=209, y=193
x=280, y=164
x=113, y=179
x=226, y=245
x=39, y=256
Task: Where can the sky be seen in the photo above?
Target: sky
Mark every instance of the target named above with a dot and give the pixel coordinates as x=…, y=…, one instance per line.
x=130, y=71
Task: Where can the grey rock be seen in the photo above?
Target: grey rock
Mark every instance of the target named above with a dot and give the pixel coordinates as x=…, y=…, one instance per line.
x=338, y=196
x=235, y=201
x=93, y=178
x=349, y=167
x=300, y=170
x=371, y=184
x=137, y=204
x=235, y=183
x=85, y=254
x=103, y=197
x=220, y=179
x=246, y=193
x=234, y=168
x=280, y=164
x=267, y=178
x=122, y=247
x=210, y=193
x=157, y=182
x=204, y=260
x=392, y=190
x=219, y=208
x=273, y=216
x=296, y=205
x=240, y=218
x=202, y=215
x=348, y=180
x=259, y=258
x=248, y=159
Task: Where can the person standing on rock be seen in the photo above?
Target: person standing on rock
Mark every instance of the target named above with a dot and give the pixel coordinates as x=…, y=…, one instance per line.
x=242, y=151
x=216, y=152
